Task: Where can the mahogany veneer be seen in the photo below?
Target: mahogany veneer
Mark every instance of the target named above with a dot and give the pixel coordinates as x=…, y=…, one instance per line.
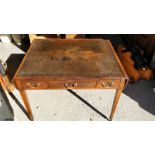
x=70, y=64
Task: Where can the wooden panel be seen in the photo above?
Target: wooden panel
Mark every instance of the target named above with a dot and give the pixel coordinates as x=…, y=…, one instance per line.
x=108, y=84
x=71, y=84
x=33, y=84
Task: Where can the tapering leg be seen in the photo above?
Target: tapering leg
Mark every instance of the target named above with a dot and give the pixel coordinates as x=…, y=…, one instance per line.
x=26, y=103
x=117, y=96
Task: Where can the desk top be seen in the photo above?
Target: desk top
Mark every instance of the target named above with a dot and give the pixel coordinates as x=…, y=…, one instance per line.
x=61, y=58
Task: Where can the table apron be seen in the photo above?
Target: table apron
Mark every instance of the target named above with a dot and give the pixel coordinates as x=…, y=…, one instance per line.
x=67, y=84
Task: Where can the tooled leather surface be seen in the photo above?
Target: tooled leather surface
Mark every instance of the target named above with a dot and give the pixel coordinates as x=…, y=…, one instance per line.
x=78, y=57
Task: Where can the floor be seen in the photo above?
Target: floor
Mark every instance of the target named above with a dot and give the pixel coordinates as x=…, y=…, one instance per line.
x=137, y=103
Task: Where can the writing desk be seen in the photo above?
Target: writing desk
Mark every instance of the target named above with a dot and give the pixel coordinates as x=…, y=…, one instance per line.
x=70, y=64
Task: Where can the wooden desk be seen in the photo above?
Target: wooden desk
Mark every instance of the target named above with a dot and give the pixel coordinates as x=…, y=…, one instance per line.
x=70, y=64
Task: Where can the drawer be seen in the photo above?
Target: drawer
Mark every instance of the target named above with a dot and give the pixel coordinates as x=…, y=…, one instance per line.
x=33, y=84
x=108, y=84
x=71, y=84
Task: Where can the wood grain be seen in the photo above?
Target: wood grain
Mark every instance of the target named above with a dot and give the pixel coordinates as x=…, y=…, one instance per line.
x=27, y=105
x=117, y=96
x=70, y=64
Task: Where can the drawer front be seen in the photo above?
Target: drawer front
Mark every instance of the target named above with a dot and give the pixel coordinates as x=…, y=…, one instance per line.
x=108, y=84
x=33, y=84
x=71, y=84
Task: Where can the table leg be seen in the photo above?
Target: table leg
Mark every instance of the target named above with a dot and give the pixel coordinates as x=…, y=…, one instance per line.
x=26, y=103
x=117, y=96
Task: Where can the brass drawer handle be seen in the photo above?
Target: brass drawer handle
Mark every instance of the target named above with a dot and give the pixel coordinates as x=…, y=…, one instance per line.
x=70, y=85
x=33, y=85
x=107, y=84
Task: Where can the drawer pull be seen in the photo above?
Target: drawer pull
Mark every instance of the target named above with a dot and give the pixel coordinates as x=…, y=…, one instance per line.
x=107, y=84
x=33, y=85
x=70, y=85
